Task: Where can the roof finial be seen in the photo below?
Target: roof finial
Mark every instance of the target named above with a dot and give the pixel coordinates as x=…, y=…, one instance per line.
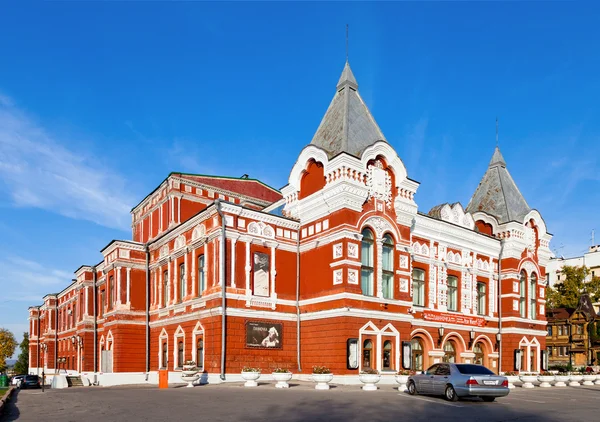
x=496, y=131
x=346, y=42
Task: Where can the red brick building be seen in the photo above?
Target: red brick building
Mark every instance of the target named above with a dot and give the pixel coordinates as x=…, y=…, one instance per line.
x=339, y=268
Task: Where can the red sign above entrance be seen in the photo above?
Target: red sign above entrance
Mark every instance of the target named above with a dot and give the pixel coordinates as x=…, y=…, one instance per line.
x=454, y=319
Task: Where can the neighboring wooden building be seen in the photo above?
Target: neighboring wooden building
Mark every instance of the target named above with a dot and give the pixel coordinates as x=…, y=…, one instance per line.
x=572, y=336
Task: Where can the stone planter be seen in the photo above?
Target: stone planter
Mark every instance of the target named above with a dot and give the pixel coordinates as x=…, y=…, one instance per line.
x=545, y=380
x=250, y=378
x=402, y=380
x=282, y=379
x=511, y=380
x=561, y=380
x=369, y=381
x=189, y=371
x=589, y=379
x=575, y=380
x=597, y=380
x=528, y=380
x=190, y=379
x=322, y=381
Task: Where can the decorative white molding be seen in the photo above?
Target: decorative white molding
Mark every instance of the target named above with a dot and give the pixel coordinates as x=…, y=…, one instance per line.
x=338, y=276
x=261, y=229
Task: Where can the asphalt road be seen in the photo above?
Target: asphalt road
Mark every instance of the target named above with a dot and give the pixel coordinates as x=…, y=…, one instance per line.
x=299, y=403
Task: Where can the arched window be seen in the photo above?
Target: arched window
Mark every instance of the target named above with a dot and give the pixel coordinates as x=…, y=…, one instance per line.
x=522, y=295
x=366, y=273
x=533, y=297
x=201, y=285
x=200, y=353
x=449, y=352
x=367, y=353
x=181, y=282
x=387, y=355
x=418, y=287
x=478, y=350
x=452, y=293
x=388, y=267
x=165, y=351
x=417, y=354
x=481, y=296
x=165, y=288
x=180, y=354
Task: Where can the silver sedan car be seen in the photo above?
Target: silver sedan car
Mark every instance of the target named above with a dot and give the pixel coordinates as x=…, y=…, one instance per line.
x=454, y=380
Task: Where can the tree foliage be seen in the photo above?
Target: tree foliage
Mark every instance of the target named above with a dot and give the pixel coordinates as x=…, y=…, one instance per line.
x=7, y=347
x=574, y=282
x=22, y=364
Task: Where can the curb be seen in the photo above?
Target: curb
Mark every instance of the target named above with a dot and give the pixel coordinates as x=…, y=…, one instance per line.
x=6, y=398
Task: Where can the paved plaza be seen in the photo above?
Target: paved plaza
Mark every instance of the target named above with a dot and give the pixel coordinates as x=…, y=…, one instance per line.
x=232, y=402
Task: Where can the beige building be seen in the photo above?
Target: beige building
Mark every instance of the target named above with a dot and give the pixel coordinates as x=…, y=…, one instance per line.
x=590, y=259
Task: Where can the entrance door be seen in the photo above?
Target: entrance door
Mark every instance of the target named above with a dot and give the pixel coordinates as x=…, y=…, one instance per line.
x=107, y=361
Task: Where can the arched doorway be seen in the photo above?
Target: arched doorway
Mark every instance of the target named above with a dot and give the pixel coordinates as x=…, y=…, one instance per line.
x=449, y=352
x=479, y=355
x=417, y=354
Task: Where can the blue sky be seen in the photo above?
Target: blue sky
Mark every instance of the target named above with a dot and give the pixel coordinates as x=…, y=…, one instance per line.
x=100, y=101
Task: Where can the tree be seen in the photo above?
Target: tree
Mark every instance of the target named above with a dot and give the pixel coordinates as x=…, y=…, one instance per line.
x=22, y=364
x=7, y=347
x=575, y=282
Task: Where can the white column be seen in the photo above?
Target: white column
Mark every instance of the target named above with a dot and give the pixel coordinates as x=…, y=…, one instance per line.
x=128, y=284
x=248, y=268
x=150, y=229
x=194, y=284
x=185, y=271
x=215, y=265
x=160, y=217
x=171, y=214
x=87, y=290
x=273, y=272
x=118, y=285
x=168, y=282
x=175, y=281
x=233, y=242
x=179, y=209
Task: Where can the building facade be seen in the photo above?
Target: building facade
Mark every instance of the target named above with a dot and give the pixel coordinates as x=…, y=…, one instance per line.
x=590, y=259
x=339, y=268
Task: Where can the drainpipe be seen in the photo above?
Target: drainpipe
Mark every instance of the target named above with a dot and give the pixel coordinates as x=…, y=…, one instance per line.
x=95, y=278
x=147, y=311
x=222, y=281
x=298, y=301
x=500, y=306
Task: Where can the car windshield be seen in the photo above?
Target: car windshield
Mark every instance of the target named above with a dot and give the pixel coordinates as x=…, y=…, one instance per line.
x=473, y=369
x=31, y=377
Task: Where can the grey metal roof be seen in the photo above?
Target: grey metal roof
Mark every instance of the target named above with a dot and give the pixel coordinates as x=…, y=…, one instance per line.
x=348, y=125
x=497, y=193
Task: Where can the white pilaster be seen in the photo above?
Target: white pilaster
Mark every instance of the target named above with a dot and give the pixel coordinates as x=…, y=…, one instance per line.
x=233, y=242
x=118, y=285
x=273, y=273
x=169, y=281
x=128, y=285
x=379, y=272
x=175, y=281
x=179, y=209
x=194, y=270
x=185, y=271
x=160, y=288
x=248, y=268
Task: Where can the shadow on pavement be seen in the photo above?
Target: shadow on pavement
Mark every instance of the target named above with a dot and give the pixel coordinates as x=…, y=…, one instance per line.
x=11, y=411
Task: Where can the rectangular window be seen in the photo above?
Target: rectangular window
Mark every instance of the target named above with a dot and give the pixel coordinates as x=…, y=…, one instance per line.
x=102, y=303
x=387, y=276
x=549, y=331
x=181, y=282
x=201, y=284
x=111, y=292
x=452, y=293
x=366, y=258
x=261, y=274
x=522, y=293
x=481, y=296
x=418, y=287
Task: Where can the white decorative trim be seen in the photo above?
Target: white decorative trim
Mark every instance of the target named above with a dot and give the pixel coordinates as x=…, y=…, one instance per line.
x=338, y=276
x=338, y=250
x=352, y=276
x=261, y=229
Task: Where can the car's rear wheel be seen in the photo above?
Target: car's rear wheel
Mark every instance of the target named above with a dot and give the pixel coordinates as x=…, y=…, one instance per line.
x=411, y=388
x=450, y=393
x=489, y=399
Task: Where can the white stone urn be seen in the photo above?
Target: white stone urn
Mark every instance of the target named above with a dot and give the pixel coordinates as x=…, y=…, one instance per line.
x=528, y=380
x=575, y=380
x=189, y=374
x=511, y=380
x=322, y=381
x=369, y=381
x=250, y=377
x=282, y=379
x=402, y=380
x=597, y=380
x=588, y=379
x=545, y=380
x=561, y=380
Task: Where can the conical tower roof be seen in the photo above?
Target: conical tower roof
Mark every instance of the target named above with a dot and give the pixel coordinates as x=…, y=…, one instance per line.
x=497, y=193
x=348, y=125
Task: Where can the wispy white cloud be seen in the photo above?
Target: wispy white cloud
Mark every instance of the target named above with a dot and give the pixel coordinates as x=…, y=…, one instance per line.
x=38, y=170
x=20, y=274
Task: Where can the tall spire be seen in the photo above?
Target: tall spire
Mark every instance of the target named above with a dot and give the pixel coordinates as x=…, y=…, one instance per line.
x=348, y=125
x=498, y=194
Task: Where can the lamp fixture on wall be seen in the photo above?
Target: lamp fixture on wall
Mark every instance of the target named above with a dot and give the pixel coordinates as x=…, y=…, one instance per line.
x=441, y=334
